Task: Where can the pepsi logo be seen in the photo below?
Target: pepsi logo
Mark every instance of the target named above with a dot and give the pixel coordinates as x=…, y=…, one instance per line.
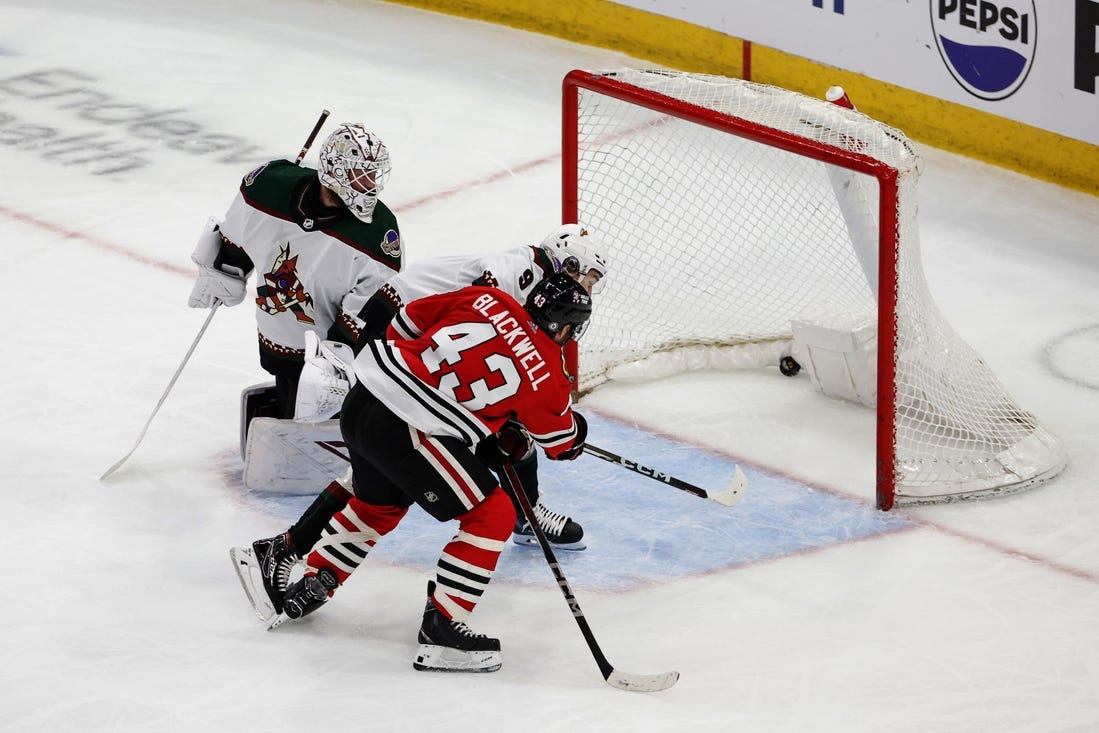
x=987, y=46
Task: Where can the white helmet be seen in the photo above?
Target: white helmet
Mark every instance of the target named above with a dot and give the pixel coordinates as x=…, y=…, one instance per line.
x=355, y=165
x=576, y=242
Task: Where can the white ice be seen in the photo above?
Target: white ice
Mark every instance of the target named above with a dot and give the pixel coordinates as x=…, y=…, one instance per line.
x=120, y=611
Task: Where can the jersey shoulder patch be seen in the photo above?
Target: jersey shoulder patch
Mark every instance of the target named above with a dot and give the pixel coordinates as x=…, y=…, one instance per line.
x=379, y=240
x=272, y=170
x=253, y=175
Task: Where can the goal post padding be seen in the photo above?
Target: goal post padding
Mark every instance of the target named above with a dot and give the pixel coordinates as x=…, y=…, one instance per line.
x=732, y=209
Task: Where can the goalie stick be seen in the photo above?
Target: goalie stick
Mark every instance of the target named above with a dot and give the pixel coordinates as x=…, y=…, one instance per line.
x=312, y=136
x=728, y=496
x=164, y=396
x=614, y=677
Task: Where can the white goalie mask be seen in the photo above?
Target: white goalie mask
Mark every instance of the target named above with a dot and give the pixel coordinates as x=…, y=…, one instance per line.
x=354, y=164
x=576, y=251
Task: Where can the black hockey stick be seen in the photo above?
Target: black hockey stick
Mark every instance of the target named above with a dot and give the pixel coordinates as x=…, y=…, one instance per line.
x=614, y=677
x=728, y=496
x=312, y=136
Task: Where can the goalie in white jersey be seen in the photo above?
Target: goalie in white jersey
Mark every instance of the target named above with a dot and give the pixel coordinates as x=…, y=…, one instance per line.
x=571, y=249
x=322, y=244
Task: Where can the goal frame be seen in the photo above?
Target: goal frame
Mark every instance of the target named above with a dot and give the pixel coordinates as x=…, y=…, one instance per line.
x=888, y=217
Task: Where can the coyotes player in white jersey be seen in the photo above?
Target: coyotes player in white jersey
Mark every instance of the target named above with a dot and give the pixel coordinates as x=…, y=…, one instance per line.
x=452, y=371
x=321, y=243
x=570, y=248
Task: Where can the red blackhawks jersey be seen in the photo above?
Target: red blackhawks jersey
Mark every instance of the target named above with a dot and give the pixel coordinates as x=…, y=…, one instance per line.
x=462, y=363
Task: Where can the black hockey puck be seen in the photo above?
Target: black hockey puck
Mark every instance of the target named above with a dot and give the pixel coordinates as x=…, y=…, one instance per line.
x=789, y=366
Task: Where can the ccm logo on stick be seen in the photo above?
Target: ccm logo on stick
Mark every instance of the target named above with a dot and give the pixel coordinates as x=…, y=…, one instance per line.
x=988, y=47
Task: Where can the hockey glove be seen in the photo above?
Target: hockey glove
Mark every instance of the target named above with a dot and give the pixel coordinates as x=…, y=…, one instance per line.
x=326, y=377
x=577, y=444
x=511, y=445
x=214, y=286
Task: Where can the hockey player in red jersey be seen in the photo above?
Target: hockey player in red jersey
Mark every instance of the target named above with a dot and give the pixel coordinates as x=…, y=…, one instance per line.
x=570, y=248
x=455, y=370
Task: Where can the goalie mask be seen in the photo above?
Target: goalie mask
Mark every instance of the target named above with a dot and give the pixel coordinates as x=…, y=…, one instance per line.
x=576, y=251
x=354, y=163
x=559, y=300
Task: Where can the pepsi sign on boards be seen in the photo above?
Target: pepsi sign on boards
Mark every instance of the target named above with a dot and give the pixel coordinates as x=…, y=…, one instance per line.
x=988, y=47
x=1032, y=61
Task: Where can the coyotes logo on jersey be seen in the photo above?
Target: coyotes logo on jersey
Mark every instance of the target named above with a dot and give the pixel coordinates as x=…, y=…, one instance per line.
x=282, y=291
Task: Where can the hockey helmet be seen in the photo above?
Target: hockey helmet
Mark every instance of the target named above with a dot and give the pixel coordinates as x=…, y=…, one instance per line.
x=354, y=163
x=559, y=300
x=576, y=251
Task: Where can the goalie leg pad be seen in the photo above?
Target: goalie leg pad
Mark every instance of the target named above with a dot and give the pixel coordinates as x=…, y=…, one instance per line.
x=259, y=400
x=840, y=353
x=290, y=457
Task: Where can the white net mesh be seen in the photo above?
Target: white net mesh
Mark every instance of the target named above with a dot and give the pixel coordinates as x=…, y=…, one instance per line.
x=722, y=231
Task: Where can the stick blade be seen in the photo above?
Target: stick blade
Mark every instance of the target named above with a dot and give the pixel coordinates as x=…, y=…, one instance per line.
x=117, y=465
x=642, y=682
x=732, y=493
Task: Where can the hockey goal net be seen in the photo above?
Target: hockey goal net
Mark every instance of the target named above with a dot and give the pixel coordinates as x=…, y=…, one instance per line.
x=769, y=206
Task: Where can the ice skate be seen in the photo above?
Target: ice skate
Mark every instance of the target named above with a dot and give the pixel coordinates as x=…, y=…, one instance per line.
x=563, y=532
x=276, y=558
x=307, y=595
x=264, y=571
x=451, y=646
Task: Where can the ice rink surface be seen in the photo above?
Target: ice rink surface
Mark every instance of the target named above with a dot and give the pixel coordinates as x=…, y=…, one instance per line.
x=123, y=126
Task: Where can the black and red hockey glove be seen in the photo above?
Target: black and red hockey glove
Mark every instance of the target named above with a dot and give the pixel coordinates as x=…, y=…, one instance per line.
x=510, y=445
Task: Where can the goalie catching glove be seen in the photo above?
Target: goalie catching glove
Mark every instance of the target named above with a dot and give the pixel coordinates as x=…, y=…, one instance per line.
x=224, y=286
x=511, y=445
x=326, y=378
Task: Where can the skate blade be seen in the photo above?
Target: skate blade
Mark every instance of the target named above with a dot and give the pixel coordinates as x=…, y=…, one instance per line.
x=529, y=540
x=432, y=658
x=278, y=620
x=248, y=572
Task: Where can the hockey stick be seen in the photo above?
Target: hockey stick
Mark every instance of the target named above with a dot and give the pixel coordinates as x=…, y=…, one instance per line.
x=728, y=496
x=164, y=396
x=312, y=136
x=614, y=677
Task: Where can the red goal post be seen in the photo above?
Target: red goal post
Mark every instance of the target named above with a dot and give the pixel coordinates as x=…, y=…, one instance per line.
x=772, y=207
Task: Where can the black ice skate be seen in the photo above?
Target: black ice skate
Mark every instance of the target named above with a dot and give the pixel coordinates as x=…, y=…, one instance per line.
x=451, y=646
x=276, y=559
x=308, y=594
x=562, y=532
x=264, y=571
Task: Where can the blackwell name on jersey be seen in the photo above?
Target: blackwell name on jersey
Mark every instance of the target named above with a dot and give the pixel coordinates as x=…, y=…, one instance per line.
x=512, y=332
